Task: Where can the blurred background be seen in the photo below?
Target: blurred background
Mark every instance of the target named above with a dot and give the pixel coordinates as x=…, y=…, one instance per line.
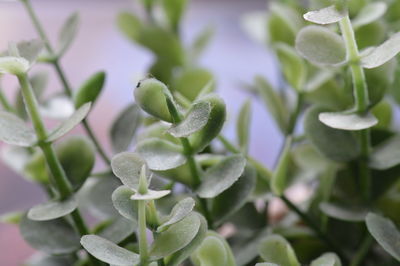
x=231, y=56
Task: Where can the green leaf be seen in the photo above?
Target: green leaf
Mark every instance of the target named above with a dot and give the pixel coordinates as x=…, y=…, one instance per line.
x=344, y=213
x=67, y=33
x=90, y=89
x=386, y=155
x=77, y=157
x=59, y=107
x=321, y=46
x=14, y=131
x=30, y=50
x=385, y=233
x=11, y=217
x=53, y=209
x=118, y=230
x=327, y=15
x=182, y=209
x=243, y=126
x=70, y=123
x=160, y=154
x=191, y=82
x=174, y=9
x=273, y=102
x=237, y=195
x=124, y=128
x=39, y=259
x=178, y=257
x=52, y=237
x=195, y=119
x=108, y=252
x=370, y=13
x=279, y=180
x=214, y=250
x=176, y=237
x=337, y=145
x=266, y=264
x=348, y=120
x=201, y=41
x=221, y=176
x=383, y=111
x=127, y=166
x=278, y=250
x=121, y=198
x=327, y=259
x=150, y=195
x=129, y=25
x=383, y=53
x=35, y=168
x=292, y=65
x=253, y=23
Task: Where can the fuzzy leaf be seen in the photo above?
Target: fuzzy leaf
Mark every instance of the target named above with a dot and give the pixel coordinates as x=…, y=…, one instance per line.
x=370, y=13
x=14, y=131
x=176, y=237
x=70, y=123
x=385, y=233
x=243, y=126
x=68, y=33
x=90, y=89
x=151, y=195
x=118, y=230
x=344, y=213
x=53, y=209
x=321, y=46
x=386, y=155
x=348, y=120
x=52, y=237
x=276, y=249
x=179, y=212
x=160, y=154
x=383, y=53
x=127, y=166
x=327, y=259
x=280, y=175
x=221, y=176
x=124, y=128
x=196, y=118
x=327, y=15
x=30, y=49
x=121, y=198
x=13, y=65
x=108, y=252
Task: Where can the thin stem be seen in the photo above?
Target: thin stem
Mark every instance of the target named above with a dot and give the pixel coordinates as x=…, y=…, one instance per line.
x=142, y=233
x=295, y=115
x=4, y=102
x=62, y=76
x=362, y=252
x=361, y=101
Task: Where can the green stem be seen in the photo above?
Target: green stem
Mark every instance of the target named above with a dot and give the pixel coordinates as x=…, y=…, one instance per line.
x=142, y=233
x=361, y=101
x=62, y=76
x=362, y=252
x=295, y=115
x=60, y=179
x=4, y=102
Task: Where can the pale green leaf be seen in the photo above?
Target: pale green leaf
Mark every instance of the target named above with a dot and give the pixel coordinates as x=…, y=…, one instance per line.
x=386, y=155
x=243, y=126
x=327, y=15
x=253, y=23
x=118, y=230
x=344, y=213
x=176, y=237
x=108, y=252
x=174, y=10
x=210, y=252
x=151, y=195
x=14, y=131
x=160, y=154
x=90, y=89
x=221, y=176
x=68, y=33
x=53, y=209
x=121, y=199
x=348, y=120
x=201, y=41
x=266, y=264
x=327, y=259
x=30, y=49
x=11, y=217
x=127, y=166
x=370, y=13
x=13, y=65
x=70, y=123
x=59, y=107
x=321, y=46
x=383, y=53
x=191, y=82
x=195, y=119
x=385, y=233
x=279, y=180
x=278, y=250
x=179, y=212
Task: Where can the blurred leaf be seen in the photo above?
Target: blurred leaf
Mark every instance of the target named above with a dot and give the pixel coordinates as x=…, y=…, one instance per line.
x=70, y=123
x=191, y=81
x=243, y=126
x=327, y=259
x=14, y=131
x=118, y=230
x=348, y=120
x=108, y=252
x=383, y=112
x=53, y=209
x=276, y=249
x=58, y=107
x=124, y=128
x=326, y=15
x=253, y=23
x=200, y=42
x=344, y=213
x=182, y=209
x=90, y=89
x=39, y=259
x=13, y=65
x=321, y=46
x=11, y=217
x=221, y=176
x=68, y=33
x=35, y=168
x=386, y=155
x=30, y=49
x=129, y=25
x=52, y=237
x=369, y=13
x=385, y=233
x=174, y=10
x=279, y=179
x=383, y=53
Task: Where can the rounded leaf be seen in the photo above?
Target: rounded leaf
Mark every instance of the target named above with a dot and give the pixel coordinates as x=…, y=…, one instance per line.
x=386, y=155
x=321, y=46
x=327, y=15
x=151, y=195
x=53, y=209
x=90, y=90
x=160, y=154
x=344, y=213
x=109, y=252
x=30, y=49
x=348, y=120
x=221, y=176
x=118, y=230
x=191, y=82
x=68, y=33
x=383, y=53
x=127, y=166
x=327, y=259
x=179, y=212
x=369, y=13
x=13, y=65
x=59, y=107
x=52, y=237
x=276, y=249
x=121, y=198
x=210, y=252
x=14, y=131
